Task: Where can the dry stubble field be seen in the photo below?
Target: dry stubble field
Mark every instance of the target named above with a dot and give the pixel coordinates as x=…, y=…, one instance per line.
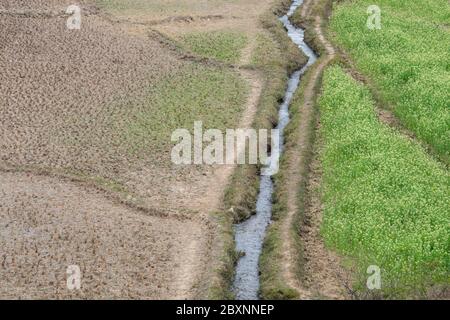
x=86, y=118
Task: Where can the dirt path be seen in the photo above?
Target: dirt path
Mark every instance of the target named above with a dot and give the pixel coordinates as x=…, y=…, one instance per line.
x=321, y=276
x=246, y=55
x=192, y=262
x=220, y=177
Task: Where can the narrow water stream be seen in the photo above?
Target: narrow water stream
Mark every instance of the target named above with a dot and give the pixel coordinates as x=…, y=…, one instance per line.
x=249, y=235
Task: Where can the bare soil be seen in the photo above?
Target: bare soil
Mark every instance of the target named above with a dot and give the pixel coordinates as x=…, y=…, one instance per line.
x=48, y=224
x=322, y=275
x=66, y=98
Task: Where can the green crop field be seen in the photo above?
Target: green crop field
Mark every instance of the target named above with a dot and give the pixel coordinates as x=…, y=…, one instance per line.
x=408, y=60
x=386, y=201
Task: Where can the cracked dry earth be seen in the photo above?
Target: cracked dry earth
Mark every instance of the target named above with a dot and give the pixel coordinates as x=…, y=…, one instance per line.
x=61, y=92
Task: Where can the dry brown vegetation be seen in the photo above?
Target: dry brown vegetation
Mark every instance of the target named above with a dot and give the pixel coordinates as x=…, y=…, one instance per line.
x=85, y=179
x=48, y=224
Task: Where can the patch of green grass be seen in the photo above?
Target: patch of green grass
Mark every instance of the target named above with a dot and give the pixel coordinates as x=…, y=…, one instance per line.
x=227, y=257
x=386, y=201
x=266, y=53
x=215, y=96
x=224, y=46
x=273, y=286
x=408, y=60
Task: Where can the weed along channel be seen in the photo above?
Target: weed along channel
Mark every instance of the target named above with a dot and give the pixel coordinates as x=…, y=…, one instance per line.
x=249, y=235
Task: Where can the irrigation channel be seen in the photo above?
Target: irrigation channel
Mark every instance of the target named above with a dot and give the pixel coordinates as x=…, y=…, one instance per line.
x=249, y=235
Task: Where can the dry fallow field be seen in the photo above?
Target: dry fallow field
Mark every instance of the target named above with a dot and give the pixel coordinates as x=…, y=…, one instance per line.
x=86, y=118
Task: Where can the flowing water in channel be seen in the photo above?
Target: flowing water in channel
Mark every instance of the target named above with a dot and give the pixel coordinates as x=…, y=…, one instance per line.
x=249, y=235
